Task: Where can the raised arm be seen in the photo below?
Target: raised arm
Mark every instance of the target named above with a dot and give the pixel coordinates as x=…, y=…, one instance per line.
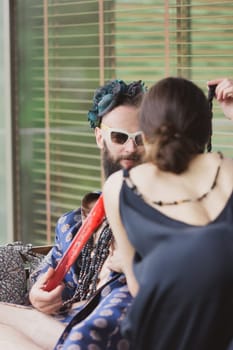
x=224, y=95
x=111, y=193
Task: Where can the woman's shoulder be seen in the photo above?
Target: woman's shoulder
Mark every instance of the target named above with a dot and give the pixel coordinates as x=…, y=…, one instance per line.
x=228, y=162
x=113, y=182
x=226, y=174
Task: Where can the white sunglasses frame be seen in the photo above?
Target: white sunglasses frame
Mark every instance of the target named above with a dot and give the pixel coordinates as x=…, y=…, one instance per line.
x=131, y=136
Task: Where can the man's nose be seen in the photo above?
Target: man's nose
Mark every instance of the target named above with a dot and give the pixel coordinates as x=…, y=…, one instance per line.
x=130, y=145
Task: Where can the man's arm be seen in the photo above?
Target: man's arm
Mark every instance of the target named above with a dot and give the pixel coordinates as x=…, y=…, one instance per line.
x=50, y=302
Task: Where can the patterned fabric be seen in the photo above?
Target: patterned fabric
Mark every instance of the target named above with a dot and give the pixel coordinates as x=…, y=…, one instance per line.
x=12, y=277
x=17, y=260
x=100, y=330
x=66, y=228
x=112, y=94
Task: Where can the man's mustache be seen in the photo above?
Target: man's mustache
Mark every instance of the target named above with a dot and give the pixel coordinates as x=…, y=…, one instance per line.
x=134, y=157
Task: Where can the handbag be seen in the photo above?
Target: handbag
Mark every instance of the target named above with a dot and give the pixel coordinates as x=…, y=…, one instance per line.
x=17, y=261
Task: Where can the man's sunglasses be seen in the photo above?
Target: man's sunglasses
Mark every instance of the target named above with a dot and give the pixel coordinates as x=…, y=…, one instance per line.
x=120, y=136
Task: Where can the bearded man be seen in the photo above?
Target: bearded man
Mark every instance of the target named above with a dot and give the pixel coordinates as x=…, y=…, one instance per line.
x=63, y=317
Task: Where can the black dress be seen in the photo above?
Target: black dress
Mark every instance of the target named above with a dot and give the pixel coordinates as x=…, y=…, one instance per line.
x=185, y=273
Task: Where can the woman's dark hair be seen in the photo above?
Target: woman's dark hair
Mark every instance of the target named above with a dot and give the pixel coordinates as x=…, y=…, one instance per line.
x=176, y=118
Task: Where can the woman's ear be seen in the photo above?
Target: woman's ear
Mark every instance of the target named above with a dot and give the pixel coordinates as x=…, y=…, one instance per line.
x=99, y=137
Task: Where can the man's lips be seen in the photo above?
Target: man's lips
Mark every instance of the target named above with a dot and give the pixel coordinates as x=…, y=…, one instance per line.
x=128, y=162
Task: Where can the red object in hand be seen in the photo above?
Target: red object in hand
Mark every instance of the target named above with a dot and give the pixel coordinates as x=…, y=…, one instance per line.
x=91, y=223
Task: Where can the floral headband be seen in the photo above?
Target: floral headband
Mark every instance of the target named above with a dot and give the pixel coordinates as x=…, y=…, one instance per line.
x=107, y=97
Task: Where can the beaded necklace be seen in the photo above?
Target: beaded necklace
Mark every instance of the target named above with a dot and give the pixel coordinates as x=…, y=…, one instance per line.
x=176, y=202
x=94, y=255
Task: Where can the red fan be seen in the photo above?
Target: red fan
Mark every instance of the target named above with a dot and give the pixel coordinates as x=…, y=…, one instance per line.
x=93, y=220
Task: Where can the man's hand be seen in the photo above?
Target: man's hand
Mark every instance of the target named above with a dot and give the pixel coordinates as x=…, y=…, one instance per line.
x=46, y=302
x=224, y=95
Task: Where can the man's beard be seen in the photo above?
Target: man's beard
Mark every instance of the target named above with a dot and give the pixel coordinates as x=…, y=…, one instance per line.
x=111, y=165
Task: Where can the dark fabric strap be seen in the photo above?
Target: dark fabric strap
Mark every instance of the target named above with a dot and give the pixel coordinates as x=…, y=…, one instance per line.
x=91, y=304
